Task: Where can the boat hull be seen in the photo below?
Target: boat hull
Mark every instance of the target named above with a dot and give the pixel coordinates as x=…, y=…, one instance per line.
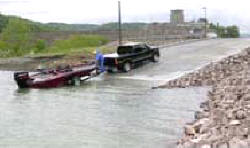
x=53, y=78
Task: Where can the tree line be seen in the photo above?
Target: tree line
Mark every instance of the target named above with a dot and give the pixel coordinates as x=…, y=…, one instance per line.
x=225, y=31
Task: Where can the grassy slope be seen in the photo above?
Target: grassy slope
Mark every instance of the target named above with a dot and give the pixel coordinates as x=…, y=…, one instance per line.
x=73, y=49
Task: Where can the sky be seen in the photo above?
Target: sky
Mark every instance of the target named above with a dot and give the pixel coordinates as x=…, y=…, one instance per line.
x=226, y=12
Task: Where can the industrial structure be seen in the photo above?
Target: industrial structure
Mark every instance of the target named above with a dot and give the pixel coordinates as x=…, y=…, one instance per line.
x=177, y=28
x=177, y=16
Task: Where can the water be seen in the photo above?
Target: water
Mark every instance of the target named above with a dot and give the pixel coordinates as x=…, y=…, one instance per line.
x=111, y=111
x=108, y=112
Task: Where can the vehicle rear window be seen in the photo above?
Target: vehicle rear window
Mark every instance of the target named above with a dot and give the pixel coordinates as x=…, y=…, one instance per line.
x=125, y=49
x=109, y=61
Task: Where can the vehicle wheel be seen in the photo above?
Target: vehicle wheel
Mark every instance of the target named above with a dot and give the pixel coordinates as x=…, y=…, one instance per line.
x=155, y=58
x=76, y=81
x=110, y=71
x=126, y=67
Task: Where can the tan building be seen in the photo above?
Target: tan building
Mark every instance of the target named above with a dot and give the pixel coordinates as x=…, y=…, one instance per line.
x=177, y=16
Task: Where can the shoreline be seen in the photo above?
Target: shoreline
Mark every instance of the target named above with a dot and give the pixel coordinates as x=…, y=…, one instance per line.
x=31, y=63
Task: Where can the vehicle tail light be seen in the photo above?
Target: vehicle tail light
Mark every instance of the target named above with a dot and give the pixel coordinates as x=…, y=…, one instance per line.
x=116, y=62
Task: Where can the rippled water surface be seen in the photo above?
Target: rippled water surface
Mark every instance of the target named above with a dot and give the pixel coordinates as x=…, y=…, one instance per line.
x=106, y=112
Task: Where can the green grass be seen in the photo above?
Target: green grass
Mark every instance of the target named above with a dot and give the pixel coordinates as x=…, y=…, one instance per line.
x=75, y=44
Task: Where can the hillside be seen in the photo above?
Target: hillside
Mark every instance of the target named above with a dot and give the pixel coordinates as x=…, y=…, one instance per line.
x=34, y=26
x=20, y=37
x=73, y=27
x=41, y=27
x=91, y=27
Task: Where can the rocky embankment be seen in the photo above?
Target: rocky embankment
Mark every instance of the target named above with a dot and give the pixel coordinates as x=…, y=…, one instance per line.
x=224, y=119
x=212, y=73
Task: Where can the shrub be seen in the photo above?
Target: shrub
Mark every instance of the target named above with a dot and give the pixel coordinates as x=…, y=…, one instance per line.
x=40, y=44
x=226, y=32
x=17, y=36
x=233, y=31
x=3, y=45
x=78, y=41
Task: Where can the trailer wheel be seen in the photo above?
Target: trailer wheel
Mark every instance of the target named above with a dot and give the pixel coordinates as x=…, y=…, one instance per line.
x=127, y=67
x=155, y=58
x=76, y=81
x=110, y=71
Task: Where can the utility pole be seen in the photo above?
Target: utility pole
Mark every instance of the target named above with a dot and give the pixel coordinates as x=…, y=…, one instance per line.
x=119, y=23
x=205, y=10
x=217, y=30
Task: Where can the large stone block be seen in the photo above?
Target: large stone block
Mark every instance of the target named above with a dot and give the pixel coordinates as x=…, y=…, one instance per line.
x=204, y=129
x=189, y=130
x=246, y=97
x=230, y=114
x=238, y=144
x=240, y=114
x=201, y=114
x=232, y=131
x=186, y=145
x=218, y=113
x=222, y=145
x=234, y=122
x=205, y=106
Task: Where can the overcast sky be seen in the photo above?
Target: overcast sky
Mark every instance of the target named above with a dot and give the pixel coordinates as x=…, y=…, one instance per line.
x=226, y=12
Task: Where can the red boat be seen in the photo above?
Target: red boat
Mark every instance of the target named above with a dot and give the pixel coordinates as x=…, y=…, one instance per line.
x=54, y=78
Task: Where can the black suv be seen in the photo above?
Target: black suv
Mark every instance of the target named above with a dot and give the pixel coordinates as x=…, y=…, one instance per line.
x=129, y=55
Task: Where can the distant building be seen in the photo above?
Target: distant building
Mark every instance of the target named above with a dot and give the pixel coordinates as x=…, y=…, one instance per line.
x=177, y=16
x=211, y=35
x=202, y=20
